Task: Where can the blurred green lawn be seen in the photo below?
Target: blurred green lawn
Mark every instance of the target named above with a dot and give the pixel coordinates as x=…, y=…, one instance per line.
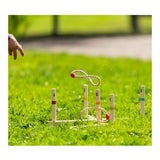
x=29, y=100
x=78, y=24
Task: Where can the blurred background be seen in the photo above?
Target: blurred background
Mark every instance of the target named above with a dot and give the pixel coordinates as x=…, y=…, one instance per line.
x=58, y=25
x=93, y=35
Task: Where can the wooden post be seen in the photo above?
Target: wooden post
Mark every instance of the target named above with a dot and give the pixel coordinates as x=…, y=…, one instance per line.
x=86, y=98
x=55, y=29
x=98, y=112
x=135, y=25
x=142, y=99
x=112, y=114
x=53, y=104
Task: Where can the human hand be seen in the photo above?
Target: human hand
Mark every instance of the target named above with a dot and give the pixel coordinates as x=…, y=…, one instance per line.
x=13, y=46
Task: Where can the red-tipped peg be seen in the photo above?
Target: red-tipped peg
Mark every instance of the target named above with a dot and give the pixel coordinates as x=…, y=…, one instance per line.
x=107, y=116
x=72, y=75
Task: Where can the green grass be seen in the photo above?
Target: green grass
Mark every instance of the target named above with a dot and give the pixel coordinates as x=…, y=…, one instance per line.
x=29, y=100
x=32, y=25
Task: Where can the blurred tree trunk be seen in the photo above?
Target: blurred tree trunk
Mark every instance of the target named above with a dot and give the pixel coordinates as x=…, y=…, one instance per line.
x=55, y=28
x=134, y=22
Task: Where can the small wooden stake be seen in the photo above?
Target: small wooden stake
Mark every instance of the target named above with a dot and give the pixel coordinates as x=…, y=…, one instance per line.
x=112, y=114
x=98, y=112
x=142, y=99
x=53, y=104
x=86, y=98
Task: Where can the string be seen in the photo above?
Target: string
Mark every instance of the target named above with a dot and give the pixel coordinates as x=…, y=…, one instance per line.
x=86, y=76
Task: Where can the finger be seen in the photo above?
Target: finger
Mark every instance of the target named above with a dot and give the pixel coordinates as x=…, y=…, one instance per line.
x=10, y=52
x=19, y=47
x=15, y=54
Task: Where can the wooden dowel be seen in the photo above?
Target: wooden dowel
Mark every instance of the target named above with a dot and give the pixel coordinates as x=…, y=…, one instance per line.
x=112, y=114
x=86, y=98
x=142, y=110
x=98, y=112
x=53, y=104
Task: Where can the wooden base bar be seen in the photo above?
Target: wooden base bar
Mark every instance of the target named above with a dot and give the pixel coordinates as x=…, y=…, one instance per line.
x=71, y=121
